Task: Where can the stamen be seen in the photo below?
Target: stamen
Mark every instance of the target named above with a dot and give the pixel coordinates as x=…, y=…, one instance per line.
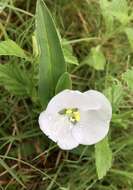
x=69, y=111
x=76, y=115
x=72, y=113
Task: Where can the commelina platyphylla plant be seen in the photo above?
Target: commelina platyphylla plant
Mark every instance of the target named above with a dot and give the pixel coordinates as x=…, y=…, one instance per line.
x=72, y=118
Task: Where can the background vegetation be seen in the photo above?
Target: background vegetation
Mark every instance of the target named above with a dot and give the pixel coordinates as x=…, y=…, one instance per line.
x=97, y=41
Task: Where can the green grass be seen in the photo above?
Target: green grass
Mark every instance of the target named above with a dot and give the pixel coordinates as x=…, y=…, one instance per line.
x=28, y=160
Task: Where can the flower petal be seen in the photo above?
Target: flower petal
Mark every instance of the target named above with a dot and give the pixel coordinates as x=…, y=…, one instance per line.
x=66, y=141
x=46, y=125
x=58, y=129
x=91, y=128
x=105, y=106
x=71, y=99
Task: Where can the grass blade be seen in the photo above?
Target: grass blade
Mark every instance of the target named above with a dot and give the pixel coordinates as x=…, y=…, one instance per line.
x=11, y=172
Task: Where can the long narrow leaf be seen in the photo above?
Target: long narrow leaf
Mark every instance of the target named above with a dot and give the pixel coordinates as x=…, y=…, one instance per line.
x=51, y=60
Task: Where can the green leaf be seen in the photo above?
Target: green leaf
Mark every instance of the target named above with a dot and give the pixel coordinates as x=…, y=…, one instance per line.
x=129, y=33
x=115, y=94
x=64, y=82
x=96, y=59
x=68, y=53
x=120, y=6
x=15, y=80
x=3, y=5
x=9, y=47
x=108, y=18
x=34, y=46
x=51, y=60
x=119, y=9
x=11, y=172
x=128, y=77
x=103, y=157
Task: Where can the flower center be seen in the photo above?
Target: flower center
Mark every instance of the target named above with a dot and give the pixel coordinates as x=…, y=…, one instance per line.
x=73, y=114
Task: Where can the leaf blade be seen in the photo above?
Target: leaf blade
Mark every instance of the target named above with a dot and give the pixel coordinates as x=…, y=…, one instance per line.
x=9, y=47
x=115, y=94
x=70, y=58
x=15, y=80
x=96, y=59
x=51, y=59
x=103, y=157
x=128, y=78
x=64, y=82
x=129, y=33
x=108, y=18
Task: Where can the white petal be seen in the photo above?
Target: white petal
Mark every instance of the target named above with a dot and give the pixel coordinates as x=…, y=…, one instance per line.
x=58, y=129
x=66, y=141
x=91, y=128
x=105, y=106
x=71, y=99
x=46, y=124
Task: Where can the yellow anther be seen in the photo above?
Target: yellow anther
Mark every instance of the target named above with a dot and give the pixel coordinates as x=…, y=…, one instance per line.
x=69, y=111
x=72, y=113
x=76, y=115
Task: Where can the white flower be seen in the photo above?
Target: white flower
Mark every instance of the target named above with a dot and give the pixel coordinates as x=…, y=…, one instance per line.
x=72, y=118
